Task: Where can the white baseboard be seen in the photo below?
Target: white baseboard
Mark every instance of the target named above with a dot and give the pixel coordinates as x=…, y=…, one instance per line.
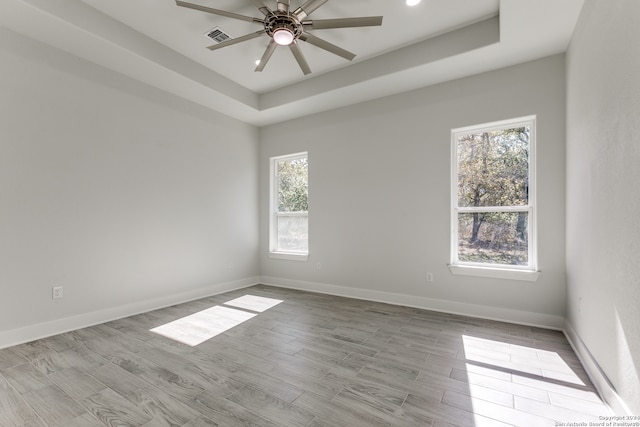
x=599, y=379
x=541, y=320
x=42, y=330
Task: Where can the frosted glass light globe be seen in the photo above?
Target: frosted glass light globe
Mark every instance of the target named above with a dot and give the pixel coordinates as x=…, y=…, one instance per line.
x=283, y=37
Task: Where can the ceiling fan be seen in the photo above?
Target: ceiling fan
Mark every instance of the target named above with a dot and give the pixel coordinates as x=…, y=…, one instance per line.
x=286, y=28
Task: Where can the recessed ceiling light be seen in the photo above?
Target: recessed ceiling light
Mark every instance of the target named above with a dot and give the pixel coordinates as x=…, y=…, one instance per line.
x=257, y=62
x=412, y=2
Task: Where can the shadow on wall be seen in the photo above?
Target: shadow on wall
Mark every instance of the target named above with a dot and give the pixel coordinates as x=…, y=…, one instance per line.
x=627, y=361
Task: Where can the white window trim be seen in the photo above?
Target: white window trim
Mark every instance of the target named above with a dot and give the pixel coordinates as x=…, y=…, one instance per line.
x=288, y=256
x=273, y=211
x=494, y=272
x=500, y=271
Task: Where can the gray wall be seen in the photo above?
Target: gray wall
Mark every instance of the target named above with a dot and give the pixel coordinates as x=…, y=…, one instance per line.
x=380, y=195
x=125, y=196
x=603, y=200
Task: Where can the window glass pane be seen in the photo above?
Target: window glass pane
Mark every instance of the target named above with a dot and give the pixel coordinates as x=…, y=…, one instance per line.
x=293, y=190
x=493, y=168
x=493, y=237
x=293, y=233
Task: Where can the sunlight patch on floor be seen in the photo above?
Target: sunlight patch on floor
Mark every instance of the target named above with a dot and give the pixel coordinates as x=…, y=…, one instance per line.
x=203, y=325
x=199, y=327
x=521, y=385
x=254, y=303
x=507, y=357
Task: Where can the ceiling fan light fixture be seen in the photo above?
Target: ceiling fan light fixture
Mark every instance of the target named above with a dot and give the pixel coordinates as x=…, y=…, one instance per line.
x=284, y=29
x=283, y=36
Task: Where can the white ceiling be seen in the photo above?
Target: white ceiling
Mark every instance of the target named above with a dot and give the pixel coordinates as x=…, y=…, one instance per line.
x=163, y=45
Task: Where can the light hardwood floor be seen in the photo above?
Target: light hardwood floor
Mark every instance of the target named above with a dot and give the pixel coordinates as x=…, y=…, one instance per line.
x=291, y=358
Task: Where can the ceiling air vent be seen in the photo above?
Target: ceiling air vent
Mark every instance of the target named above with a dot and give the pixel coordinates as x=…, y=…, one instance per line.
x=217, y=35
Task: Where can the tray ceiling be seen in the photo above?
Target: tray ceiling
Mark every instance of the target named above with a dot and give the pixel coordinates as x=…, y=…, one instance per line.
x=164, y=45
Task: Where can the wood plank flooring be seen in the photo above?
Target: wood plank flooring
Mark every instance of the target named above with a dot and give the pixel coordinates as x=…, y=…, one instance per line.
x=291, y=358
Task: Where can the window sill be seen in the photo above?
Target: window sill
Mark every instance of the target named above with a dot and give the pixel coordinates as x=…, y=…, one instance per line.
x=289, y=256
x=495, y=273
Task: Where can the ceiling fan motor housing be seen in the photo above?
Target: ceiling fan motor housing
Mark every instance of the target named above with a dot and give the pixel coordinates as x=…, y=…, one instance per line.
x=283, y=21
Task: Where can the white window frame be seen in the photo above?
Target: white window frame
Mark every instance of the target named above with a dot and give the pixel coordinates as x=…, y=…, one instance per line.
x=527, y=272
x=274, y=252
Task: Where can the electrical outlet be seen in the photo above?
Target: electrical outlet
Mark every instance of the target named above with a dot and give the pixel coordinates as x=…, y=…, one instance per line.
x=57, y=292
x=429, y=277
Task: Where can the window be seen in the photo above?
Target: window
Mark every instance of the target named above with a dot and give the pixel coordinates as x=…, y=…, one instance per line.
x=289, y=238
x=493, y=198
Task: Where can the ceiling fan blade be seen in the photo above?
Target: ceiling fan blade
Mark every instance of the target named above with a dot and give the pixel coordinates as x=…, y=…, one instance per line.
x=218, y=12
x=283, y=5
x=302, y=62
x=237, y=40
x=267, y=55
x=307, y=9
x=262, y=8
x=324, y=24
x=329, y=47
